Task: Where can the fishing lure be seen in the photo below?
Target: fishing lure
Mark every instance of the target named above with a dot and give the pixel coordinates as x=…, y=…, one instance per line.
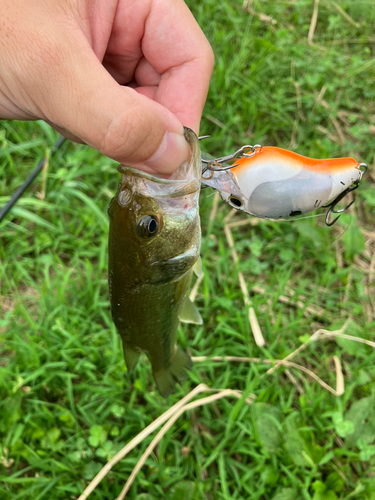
x=274, y=183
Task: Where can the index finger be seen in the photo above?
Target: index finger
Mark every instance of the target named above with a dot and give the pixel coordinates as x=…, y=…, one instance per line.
x=176, y=47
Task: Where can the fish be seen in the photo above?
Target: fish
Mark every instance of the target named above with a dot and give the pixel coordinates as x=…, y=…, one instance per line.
x=274, y=183
x=153, y=249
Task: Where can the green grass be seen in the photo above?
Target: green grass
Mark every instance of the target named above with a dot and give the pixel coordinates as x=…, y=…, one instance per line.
x=67, y=404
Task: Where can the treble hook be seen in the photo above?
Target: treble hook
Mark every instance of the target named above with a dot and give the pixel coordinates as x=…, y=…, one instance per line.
x=342, y=195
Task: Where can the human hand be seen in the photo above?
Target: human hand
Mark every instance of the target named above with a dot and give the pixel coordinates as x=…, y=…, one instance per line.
x=122, y=76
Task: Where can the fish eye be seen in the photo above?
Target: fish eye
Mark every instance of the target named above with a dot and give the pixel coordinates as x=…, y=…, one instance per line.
x=148, y=226
x=236, y=202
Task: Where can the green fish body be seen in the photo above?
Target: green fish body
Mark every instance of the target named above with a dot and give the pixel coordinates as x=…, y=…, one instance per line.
x=154, y=243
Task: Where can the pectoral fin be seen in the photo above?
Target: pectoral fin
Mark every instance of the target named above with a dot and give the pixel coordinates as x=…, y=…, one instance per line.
x=197, y=268
x=166, y=378
x=189, y=313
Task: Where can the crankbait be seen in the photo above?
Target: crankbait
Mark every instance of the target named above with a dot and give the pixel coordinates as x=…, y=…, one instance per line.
x=274, y=183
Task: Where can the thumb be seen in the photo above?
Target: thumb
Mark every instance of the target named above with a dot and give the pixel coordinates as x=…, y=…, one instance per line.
x=118, y=121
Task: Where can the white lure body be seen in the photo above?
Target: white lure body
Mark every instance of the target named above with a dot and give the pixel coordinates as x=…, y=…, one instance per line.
x=277, y=184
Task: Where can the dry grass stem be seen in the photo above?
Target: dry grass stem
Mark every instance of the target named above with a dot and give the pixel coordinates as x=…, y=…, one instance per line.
x=347, y=290
x=320, y=96
x=349, y=337
x=230, y=216
x=299, y=101
x=247, y=4
x=42, y=193
x=255, y=328
x=194, y=290
x=343, y=117
x=309, y=310
x=228, y=234
x=339, y=256
x=326, y=132
x=362, y=265
x=294, y=381
x=254, y=325
x=244, y=222
x=214, y=120
x=293, y=143
x=368, y=234
x=266, y=18
x=311, y=374
x=315, y=336
x=339, y=131
x=139, y=438
x=340, y=387
x=200, y=359
x=345, y=15
x=280, y=362
x=108, y=192
x=220, y=393
x=244, y=290
x=372, y=269
x=313, y=22
x=215, y=203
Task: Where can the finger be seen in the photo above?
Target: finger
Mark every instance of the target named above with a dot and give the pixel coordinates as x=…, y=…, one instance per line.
x=145, y=75
x=174, y=46
x=149, y=92
x=116, y=120
x=122, y=68
x=124, y=47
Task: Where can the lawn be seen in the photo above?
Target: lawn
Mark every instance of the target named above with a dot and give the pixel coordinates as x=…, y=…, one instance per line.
x=67, y=403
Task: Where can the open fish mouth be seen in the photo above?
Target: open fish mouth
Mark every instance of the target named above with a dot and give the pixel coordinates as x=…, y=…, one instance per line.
x=155, y=187
x=184, y=181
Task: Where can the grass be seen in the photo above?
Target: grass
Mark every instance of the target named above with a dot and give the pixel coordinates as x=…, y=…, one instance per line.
x=67, y=404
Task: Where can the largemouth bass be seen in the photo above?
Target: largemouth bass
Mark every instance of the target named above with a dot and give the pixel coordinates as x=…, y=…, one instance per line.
x=154, y=243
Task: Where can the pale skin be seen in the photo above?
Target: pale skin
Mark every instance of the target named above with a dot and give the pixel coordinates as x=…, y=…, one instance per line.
x=123, y=76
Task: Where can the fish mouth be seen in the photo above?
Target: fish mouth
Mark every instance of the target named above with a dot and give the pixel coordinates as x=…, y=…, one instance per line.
x=184, y=181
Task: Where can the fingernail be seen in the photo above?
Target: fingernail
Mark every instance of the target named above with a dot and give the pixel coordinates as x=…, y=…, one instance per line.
x=172, y=151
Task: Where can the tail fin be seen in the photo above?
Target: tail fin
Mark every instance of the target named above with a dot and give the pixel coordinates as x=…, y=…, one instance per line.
x=131, y=356
x=166, y=378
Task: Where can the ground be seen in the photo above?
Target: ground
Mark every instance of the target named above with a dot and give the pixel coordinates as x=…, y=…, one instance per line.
x=296, y=74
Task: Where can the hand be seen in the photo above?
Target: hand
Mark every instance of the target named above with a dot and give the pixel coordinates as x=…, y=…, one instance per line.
x=122, y=76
